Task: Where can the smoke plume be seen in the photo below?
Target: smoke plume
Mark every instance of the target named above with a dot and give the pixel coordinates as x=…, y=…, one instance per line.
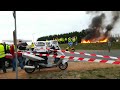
x=95, y=27
x=116, y=15
x=95, y=30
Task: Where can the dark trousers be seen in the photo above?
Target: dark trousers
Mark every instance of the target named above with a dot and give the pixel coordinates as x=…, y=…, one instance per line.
x=32, y=49
x=2, y=62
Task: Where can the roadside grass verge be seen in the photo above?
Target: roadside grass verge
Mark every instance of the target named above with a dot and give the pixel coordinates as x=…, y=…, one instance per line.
x=93, y=46
x=104, y=73
x=84, y=71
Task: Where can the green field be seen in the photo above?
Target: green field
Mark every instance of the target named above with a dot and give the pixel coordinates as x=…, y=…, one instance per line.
x=93, y=46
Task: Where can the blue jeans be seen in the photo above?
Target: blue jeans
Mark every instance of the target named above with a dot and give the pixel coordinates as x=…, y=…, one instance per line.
x=20, y=59
x=14, y=63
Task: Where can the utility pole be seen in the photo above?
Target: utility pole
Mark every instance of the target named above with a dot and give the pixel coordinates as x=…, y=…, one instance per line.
x=15, y=43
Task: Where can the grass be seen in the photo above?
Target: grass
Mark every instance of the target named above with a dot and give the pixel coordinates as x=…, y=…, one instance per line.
x=105, y=73
x=82, y=70
x=93, y=46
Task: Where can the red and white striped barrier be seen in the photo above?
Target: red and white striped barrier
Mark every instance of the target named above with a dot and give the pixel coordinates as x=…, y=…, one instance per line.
x=9, y=56
x=81, y=59
x=82, y=53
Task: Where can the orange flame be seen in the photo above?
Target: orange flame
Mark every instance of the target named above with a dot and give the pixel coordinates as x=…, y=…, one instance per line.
x=100, y=41
x=85, y=41
x=105, y=40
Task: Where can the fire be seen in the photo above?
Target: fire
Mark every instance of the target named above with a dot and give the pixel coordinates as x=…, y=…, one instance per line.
x=85, y=41
x=105, y=40
x=100, y=41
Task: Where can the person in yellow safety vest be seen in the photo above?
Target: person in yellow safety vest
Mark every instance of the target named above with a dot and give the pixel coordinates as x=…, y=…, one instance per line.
x=65, y=40
x=60, y=40
x=74, y=40
x=2, y=57
x=32, y=46
x=7, y=48
x=70, y=41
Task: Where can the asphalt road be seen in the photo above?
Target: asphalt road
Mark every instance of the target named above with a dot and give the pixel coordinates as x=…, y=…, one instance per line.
x=114, y=53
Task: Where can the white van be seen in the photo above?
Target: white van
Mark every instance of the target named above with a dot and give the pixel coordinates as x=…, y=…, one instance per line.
x=41, y=46
x=55, y=44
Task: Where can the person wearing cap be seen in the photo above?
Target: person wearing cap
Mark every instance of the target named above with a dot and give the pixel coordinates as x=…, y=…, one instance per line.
x=2, y=57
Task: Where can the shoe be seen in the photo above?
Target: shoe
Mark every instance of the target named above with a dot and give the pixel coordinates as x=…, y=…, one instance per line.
x=21, y=67
x=4, y=71
x=13, y=70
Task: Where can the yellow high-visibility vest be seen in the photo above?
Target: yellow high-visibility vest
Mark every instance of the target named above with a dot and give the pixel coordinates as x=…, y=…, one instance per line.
x=69, y=39
x=2, y=51
x=7, y=47
x=32, y=45
x=73, y=39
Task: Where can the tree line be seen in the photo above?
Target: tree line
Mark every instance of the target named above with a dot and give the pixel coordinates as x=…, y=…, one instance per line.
x=80, y=35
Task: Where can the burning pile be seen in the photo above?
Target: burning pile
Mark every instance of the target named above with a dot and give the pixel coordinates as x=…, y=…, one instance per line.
x=97, y=32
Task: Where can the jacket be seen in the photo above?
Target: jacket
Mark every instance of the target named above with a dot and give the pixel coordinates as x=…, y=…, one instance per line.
x=2, y=51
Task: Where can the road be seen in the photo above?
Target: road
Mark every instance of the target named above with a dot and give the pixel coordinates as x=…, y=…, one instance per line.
x=114, y=53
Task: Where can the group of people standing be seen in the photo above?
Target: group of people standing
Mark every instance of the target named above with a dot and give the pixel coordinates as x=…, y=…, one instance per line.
x=5, y=48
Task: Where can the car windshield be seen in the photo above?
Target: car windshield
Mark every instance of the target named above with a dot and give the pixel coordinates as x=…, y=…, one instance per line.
x=40, y=44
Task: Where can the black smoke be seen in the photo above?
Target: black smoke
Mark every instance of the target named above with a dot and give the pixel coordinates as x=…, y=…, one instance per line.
x=97, y=21
x=115, y=18
x=96, y=26
x=116, y=15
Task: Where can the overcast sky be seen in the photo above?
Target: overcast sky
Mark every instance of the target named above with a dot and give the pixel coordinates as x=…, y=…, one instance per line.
x=35, y=24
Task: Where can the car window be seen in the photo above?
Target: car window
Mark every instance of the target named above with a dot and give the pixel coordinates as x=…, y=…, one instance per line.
x=40, y=44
